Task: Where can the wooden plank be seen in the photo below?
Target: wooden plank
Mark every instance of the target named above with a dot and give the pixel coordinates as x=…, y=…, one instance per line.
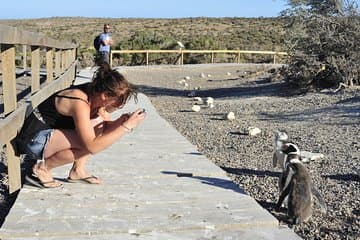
x=12, y=35
x=57, y=63
x=24, y=57
x=12, y=123
x=197, y=51
x=49, y=65
x=35, y=69
x=9, y=77
x=63, y=60
x=184, y=51
x=14, y=172
x=48, y=89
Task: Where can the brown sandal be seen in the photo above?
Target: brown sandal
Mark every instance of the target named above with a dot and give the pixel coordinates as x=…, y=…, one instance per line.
x=35, y=181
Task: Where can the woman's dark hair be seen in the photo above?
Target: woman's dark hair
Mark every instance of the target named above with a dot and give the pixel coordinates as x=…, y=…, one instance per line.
x=113, y=84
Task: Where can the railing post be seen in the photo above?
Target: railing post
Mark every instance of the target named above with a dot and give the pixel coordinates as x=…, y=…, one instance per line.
x=63, y=60
x=35, y=69
x=9, y=77
x=147, y=58
x=24, y=57
x=49, y=65
x=212, y=57
x=274, y=58
x=57, y=62
x=111, y=56
x=14, y=170
x=182, y=57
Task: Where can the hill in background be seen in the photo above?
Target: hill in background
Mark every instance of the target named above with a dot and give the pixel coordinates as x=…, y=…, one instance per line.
x=197, y=33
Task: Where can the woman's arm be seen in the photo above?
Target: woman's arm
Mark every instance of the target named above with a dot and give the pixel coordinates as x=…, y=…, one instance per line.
x=111, y=132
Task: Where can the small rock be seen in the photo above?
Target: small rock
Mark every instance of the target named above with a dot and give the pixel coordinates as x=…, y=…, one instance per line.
x=253, y=131
x=196, y=108
x=209, y=100
x=182, y=81
x=132, y=231
x=230, y=116
x=198, y=99
x=309, y=156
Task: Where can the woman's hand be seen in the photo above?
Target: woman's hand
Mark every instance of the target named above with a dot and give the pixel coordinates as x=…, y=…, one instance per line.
x=134, y=118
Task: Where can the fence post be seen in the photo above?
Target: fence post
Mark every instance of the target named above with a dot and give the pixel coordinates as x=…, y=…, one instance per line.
x=9, y=77
x=57, y=62
x=14, y=171
x=24, y=57
x=49, y=65
x=35, y=69
x=182, y=57
x=111, y=55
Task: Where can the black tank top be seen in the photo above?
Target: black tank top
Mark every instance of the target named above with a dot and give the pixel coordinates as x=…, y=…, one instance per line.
x=45, y=116
x=52, y=117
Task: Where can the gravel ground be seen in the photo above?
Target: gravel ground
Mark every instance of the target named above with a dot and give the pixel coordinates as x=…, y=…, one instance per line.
x=326, y=123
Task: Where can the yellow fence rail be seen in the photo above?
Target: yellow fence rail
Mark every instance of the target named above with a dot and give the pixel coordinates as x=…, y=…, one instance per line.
x=182, y=52
x=60, y=62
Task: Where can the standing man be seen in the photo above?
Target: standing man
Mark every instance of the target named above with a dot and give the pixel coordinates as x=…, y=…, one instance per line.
x=105, y=43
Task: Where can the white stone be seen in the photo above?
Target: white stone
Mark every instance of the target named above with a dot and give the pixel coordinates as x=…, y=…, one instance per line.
x=182, y=81
x=307, y=156
x=132, y=231
x=228, y=73
x=253, y=131
x=196, y=108
x=209, y=100
x=202, y=75
x=198, y=99
x=230, y=116
x=187, y=78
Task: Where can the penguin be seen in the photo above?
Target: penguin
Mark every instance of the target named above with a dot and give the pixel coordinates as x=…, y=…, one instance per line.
x=295, y=184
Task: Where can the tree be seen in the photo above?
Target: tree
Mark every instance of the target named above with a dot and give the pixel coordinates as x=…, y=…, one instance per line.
x=323, y=44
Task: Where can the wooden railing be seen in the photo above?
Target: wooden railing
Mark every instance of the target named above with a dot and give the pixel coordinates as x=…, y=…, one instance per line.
x=181, y=53
x=60, y=61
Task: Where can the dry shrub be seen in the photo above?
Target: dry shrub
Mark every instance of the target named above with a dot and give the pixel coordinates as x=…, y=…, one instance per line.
x=323, y=46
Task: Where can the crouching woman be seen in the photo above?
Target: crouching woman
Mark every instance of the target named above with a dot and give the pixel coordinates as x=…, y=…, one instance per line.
x=74, y=123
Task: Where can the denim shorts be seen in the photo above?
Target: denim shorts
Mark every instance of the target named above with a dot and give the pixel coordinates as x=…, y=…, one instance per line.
x=35, y=148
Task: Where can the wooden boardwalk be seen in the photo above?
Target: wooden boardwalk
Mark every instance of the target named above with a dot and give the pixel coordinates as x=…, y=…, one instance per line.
x=145, y=195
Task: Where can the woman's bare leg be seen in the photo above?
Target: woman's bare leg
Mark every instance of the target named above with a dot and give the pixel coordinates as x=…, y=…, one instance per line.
x=65, y=147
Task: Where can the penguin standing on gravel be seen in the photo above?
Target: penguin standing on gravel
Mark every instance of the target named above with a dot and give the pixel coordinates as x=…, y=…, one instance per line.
x=296, y=185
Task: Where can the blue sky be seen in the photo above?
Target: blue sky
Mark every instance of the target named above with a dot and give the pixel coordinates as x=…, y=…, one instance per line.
x=20, y=9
